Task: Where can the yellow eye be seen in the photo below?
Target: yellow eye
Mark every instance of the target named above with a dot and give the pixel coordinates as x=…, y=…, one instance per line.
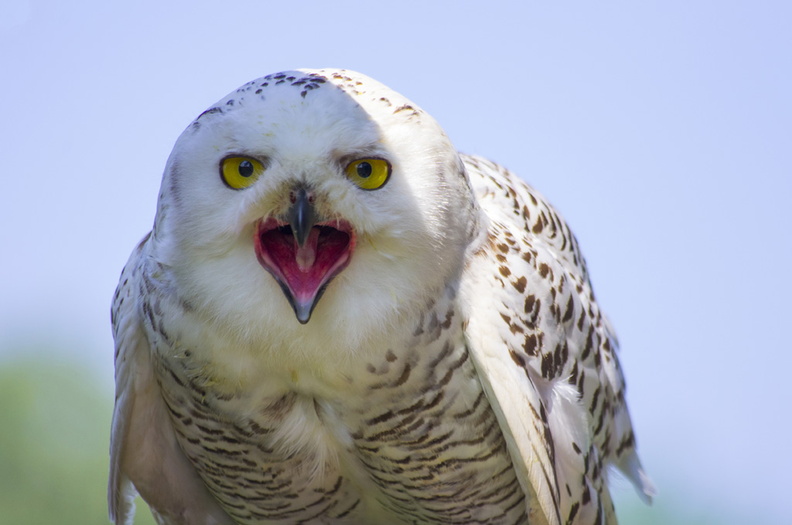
x=369, y=174
x=240, y=172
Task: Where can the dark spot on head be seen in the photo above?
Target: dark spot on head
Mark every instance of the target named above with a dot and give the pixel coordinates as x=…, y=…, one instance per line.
x=406, y=107
x=210, y=111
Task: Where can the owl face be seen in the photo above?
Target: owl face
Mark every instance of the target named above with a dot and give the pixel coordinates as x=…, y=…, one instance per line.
x=311, y=185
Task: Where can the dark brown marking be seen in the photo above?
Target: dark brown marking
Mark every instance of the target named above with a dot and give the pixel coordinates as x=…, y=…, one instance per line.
x=530, y=303
x=404, y=376
x=531, y=344
x=517, y=358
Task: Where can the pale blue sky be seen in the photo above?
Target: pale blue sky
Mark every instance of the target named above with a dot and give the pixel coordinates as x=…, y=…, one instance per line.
x=662, y=130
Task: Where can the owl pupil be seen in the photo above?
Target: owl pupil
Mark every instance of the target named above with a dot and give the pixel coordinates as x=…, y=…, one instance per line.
x=246, y=168
x=364, y=170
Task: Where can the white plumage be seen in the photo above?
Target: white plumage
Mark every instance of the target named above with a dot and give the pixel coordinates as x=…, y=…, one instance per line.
x=337, y=318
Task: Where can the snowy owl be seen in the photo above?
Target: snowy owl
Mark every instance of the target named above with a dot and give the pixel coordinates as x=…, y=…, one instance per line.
x=339, y=319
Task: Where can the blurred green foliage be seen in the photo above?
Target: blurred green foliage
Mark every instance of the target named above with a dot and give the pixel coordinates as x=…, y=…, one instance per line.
x=54, y=435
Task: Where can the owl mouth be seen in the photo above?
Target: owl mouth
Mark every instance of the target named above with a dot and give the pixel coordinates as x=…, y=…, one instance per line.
x=303, y=271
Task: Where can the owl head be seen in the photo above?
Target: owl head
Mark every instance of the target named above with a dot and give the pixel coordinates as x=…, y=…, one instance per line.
x=312, y=199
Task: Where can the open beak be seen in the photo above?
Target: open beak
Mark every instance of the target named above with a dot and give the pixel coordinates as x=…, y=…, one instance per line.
x=302, y=253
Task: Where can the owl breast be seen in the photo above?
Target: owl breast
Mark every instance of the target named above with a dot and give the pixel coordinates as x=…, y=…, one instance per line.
x=407, y=436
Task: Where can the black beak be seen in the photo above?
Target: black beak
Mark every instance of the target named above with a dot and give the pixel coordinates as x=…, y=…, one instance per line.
x=301, y=215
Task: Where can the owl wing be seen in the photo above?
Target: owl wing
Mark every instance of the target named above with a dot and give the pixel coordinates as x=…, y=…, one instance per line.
x=144, y=454
x=544, y=354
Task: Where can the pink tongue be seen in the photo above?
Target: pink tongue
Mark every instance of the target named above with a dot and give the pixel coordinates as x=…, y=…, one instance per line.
x=306, y=255
x=304, y=270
